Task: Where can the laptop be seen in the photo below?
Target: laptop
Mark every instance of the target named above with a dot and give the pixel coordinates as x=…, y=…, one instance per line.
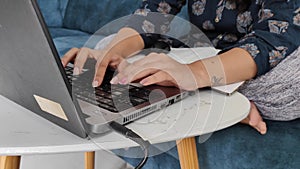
x=31, y=74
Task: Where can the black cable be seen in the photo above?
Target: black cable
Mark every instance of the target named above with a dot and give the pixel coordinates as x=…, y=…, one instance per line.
x=134, y=137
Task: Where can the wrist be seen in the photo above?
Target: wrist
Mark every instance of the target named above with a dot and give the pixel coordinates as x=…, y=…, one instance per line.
x=200, y=74
x=127, y=42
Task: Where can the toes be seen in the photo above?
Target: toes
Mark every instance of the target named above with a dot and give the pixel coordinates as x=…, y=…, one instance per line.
x=262, y=127
x=255, y=120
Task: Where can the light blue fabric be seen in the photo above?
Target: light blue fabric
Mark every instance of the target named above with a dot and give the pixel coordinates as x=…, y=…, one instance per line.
x=53, y=11
x=63, y=32
x=63, y=44
x=239, y=147
x=91, y=15
x=242, y=147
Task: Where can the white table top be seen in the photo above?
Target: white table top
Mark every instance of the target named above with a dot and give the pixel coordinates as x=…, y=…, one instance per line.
x=23, y=132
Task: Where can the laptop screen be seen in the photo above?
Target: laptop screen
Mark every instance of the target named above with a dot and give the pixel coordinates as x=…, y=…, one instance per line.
x=30, y=70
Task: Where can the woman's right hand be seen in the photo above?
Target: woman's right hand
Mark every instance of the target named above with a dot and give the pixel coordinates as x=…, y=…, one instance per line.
x=104, y=59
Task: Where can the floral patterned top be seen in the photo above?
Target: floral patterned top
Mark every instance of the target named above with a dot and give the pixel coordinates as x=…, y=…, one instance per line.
x=269, y=30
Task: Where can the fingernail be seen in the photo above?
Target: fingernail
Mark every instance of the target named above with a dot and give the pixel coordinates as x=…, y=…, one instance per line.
x=76, y=71
x=143, y=82
x=62, y=63
x=123, y=80
x=114, y=80
x=95, y=83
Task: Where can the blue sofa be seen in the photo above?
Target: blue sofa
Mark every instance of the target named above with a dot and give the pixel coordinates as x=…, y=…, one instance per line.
x=72, y=22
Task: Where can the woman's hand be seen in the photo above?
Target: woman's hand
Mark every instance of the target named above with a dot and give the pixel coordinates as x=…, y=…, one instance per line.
x=157, y=69
x=104, y=59
x=125, y=43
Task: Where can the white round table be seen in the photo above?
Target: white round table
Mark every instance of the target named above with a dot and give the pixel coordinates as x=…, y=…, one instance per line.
x=23, y=132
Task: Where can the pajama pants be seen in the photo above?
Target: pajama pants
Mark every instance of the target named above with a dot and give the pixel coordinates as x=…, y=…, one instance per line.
x=277, y=93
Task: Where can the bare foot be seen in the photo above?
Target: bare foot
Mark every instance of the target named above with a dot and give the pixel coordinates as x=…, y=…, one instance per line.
x=255, y=120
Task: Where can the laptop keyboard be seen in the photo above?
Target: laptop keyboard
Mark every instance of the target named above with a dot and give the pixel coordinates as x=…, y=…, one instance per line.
x=114, y=98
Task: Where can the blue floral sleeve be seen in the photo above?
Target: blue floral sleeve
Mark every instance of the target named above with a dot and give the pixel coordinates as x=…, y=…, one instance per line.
x=269, y=30
x=153, y=17
x=276, y=33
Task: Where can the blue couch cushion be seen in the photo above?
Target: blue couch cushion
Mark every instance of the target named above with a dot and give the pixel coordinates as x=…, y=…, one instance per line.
x=62, y=32
x=91, y=15
x=240, y=146
x=64, y=44
x=53, y=11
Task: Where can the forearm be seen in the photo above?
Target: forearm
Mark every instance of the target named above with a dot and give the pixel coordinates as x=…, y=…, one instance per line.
x=126, y=43
x=229, y=67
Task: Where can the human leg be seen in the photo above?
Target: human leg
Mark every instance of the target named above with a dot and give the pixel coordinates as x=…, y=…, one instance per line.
x=255, y=120
x=277, y=93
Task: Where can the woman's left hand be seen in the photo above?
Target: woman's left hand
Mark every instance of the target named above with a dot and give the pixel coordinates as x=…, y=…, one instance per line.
x=156, y=69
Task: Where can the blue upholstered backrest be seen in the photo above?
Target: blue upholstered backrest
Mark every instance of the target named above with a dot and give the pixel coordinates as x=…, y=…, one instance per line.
x=53, y=11
x=87, y=15
x=90, y=15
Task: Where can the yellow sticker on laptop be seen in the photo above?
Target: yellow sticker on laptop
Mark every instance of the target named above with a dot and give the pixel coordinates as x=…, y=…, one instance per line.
x=51, y=107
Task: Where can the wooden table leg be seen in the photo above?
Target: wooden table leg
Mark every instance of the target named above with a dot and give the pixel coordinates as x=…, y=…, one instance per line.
x=89, y=160
x=10, y=162
x=187, y=153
